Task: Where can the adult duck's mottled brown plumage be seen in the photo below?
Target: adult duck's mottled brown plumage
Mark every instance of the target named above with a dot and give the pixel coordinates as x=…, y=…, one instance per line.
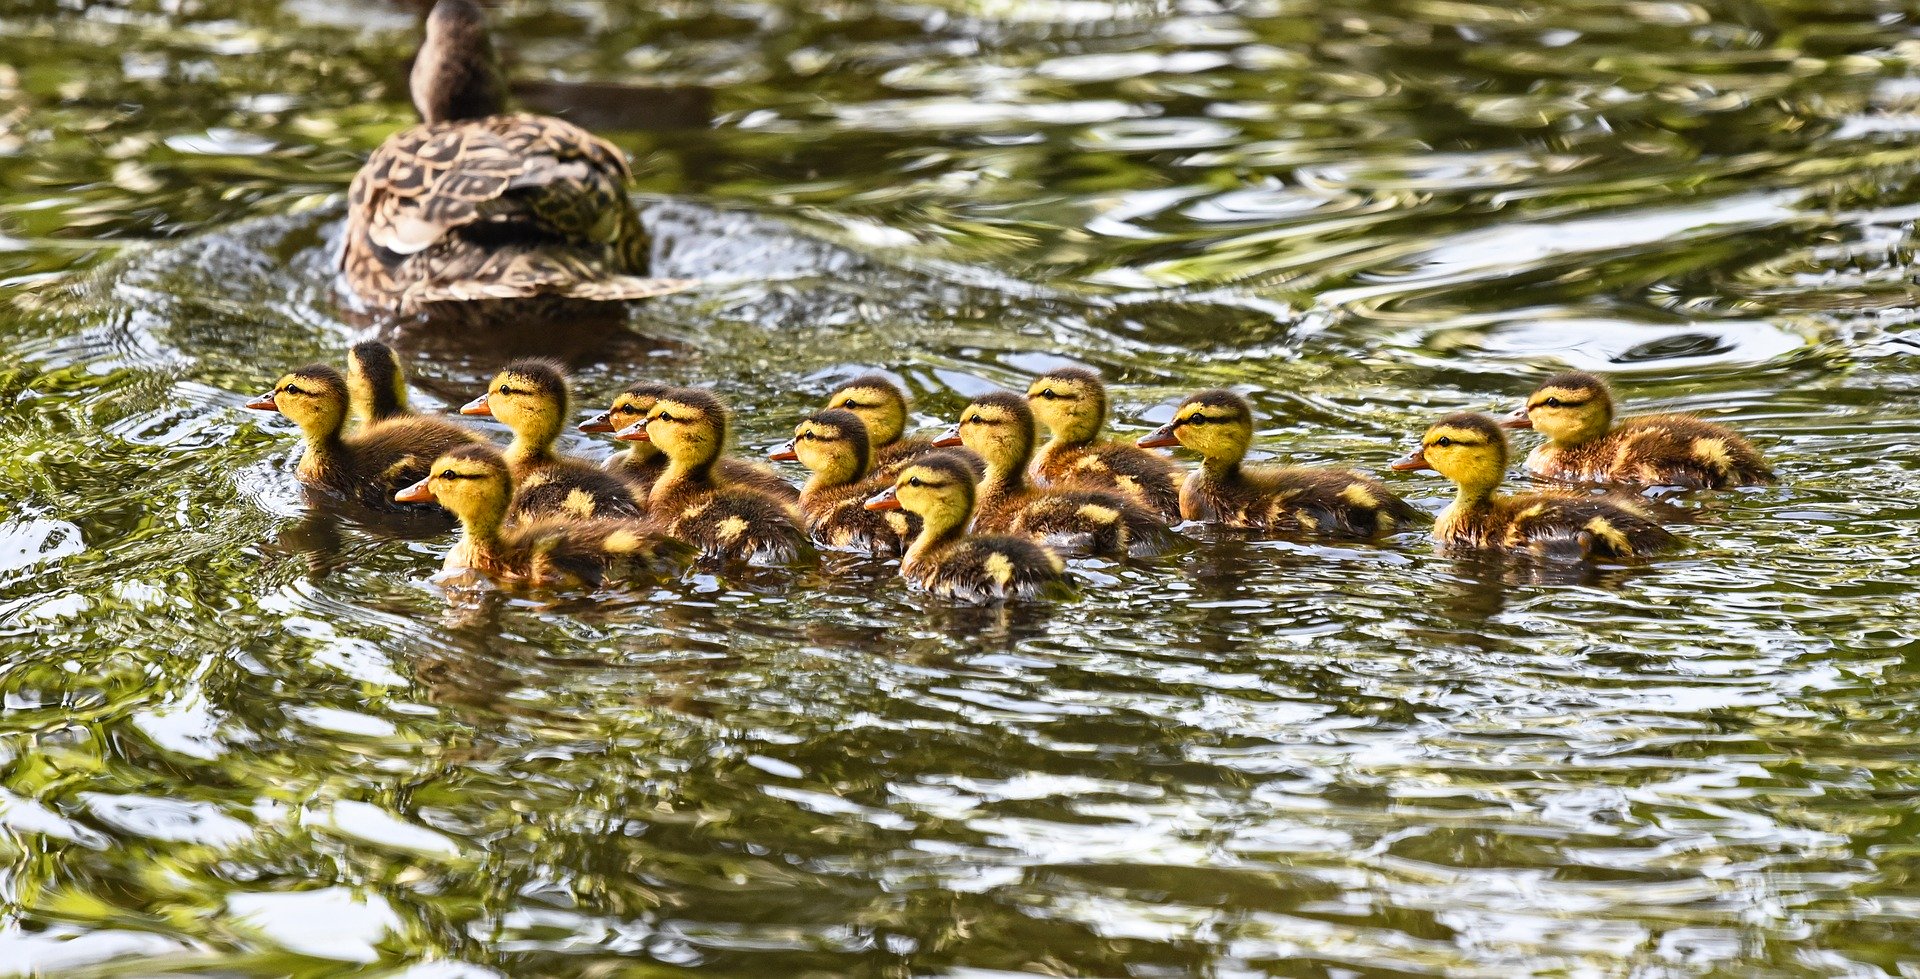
x=1000, y=429
x=477, y=485
x=479, y=204
x=832, y=444
x=883, y=407
x=944, y=558
x=1072, y=403
x=642, y=463
x=726, y=522
x=531, y=397
x=1218, y=425
x=369, y=465
x=1470, y=450
x=1575, y=412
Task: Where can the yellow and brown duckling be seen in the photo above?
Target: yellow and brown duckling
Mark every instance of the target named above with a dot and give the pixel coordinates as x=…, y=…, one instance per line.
x=1218, y=425
x=1574, y=411
x=369, y=465
x=476, y=203
x=832, y=444
x=882, y=406
x=641, y=463
x=1471, y=450
x=530, y=397
x=1072, y=403
x=727, y=523
x=944, y=559
x=476, y=483
x=1000, y=429
x=376, y=383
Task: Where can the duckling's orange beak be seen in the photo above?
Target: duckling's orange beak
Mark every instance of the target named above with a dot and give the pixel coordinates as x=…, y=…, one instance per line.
x=264, y=402
x=1518, y=420
x=785, y=453
x=477, y=406
x=950, y=437
x=636, y=432
x=1411, y=462
x=417, y=493
x=1159, y=438
x=884, y=500
x=599, y=424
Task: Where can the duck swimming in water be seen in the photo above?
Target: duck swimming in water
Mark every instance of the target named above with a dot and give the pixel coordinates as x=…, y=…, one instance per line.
x=1470, y=450
x=476, y=203
x=1575, y=412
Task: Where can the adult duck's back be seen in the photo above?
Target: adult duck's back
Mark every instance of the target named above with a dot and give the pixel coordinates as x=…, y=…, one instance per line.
x=479, y=204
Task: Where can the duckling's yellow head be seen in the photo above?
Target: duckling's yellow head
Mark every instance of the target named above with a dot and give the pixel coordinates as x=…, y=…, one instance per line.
x=832, y=443
x=1071, y=402
x=938, y=487
x=1568, y=409
x=688, y=424
x=997, y=427
x=472, y=481
x=530, y=397
x=314, y=397
x=880, y=404
x=1467, y=448
x=376, y=383
x=1217, y=424
x=629, y=408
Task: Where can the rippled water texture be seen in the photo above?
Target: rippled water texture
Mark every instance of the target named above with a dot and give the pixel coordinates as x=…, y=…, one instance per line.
x=241, y=738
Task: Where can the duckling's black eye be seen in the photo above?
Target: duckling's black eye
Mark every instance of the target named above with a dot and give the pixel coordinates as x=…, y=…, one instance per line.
x=806, y=436
x=914, y=481
x=1553, y=402
x=1049, y=394
x=290, y=389
x=1443, y=441
x=449, y=474
x=663, y=417
x=1198, y=420
x=977, y=420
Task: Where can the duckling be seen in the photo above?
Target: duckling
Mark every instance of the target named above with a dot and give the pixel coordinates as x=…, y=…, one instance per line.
x=643, y=462
x=883, y=407
x=475, y=482
x=1574, y=411
x=1471, y=450
x=476, y=203
x=1072, y=403
x=1218, y=425
x=369, y=465
x=944, y=559
x=1000, y=429
x=727, y=523
x=376, y=383
x=833, y=444
x=530, y=397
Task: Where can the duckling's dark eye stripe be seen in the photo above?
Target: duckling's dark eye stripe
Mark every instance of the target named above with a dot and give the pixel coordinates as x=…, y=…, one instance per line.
x=1559, y=403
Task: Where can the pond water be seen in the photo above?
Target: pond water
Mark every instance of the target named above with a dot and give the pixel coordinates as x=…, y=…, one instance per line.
x=244, y=739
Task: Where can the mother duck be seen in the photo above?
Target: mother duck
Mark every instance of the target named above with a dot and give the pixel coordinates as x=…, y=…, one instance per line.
x=477, y=203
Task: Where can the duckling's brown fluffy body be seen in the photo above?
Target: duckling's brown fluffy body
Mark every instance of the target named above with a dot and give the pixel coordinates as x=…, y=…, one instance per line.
x=944, y=558
x=475, y=483
x=1072, y=403
x=727, y=523
x=1575, y=411
x=1289, y=499
x=1000, y=428
x=1470, y=450
x=368, y=466
x=531, y=398
x=832, y=444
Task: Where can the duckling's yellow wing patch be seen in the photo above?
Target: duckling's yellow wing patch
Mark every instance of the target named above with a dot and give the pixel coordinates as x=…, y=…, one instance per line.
x=1000, y=568
x=537, y=478
x=1359, y=495
x=622, y=542
x=1099, y=514
x=579, y=503
x=1604, y=529
x=1714, y=452
x=731, y=528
